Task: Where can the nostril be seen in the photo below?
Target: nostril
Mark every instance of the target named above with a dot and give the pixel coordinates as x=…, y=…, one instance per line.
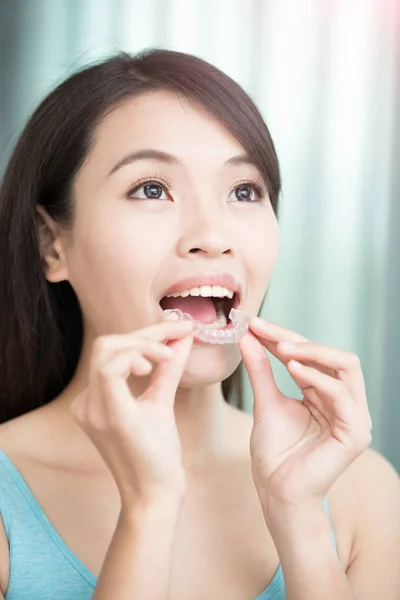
x=194, y=250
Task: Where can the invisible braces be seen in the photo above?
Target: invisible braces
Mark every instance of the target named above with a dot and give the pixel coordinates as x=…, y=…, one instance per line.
x=205, y=333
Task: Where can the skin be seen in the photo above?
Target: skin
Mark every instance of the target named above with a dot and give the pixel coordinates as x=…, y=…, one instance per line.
x=123, y=253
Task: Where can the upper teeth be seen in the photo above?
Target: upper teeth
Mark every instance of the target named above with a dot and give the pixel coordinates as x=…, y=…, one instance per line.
x=205, y=291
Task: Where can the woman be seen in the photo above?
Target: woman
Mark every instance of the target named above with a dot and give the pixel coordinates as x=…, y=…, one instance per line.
x=141, y=184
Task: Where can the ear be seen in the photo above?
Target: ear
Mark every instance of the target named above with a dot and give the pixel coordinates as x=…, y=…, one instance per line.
x=50, y=246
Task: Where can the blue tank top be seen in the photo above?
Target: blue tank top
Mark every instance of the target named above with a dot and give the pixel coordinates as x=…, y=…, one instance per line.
x=42, y=566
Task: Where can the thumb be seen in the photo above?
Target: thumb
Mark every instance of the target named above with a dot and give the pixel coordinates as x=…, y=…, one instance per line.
x=259, y=369
x=167, y=375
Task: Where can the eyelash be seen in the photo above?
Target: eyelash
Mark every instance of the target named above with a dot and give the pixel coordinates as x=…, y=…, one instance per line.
x=256, y=183
x=161, y=179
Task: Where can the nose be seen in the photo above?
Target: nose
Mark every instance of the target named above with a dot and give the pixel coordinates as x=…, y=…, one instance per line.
x=205, y=234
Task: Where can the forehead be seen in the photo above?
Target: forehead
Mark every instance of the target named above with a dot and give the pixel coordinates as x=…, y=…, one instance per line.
x=164, y=121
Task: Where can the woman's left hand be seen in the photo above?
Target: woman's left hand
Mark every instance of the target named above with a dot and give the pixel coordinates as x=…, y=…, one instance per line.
x=300, y=447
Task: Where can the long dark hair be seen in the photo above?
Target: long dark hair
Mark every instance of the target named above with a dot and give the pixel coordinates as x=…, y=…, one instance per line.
x=41, y=328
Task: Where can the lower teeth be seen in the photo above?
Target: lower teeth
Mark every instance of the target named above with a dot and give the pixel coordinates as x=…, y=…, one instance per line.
x=212, y=334
x=220, y=323
x=221, y=320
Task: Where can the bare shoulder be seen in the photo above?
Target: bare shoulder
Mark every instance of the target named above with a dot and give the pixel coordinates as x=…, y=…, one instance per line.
x=369, y=482
x=371, y=468
x=373, y=461
x=374, y=484
x=365, y=508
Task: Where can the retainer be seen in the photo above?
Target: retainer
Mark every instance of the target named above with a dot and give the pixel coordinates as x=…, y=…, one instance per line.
x=205, y=333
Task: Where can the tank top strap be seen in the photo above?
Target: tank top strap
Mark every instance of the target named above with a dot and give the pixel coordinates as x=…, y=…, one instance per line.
x=326, y=507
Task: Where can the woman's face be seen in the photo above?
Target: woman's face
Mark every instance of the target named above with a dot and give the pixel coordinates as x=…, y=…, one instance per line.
x=198, y=217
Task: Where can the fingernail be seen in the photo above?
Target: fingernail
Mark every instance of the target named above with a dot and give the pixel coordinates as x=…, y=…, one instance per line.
x=295, y=364
x=258, y=321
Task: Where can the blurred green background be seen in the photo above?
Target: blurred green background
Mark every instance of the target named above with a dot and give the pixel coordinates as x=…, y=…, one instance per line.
x=326, y=77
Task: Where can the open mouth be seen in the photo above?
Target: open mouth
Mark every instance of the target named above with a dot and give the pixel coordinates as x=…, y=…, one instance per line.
x=207, y=305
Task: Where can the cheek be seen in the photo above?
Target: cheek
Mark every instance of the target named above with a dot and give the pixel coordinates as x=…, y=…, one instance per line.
x=260, y=247
x=260, y=251
x=112, y=265
x=122, y=246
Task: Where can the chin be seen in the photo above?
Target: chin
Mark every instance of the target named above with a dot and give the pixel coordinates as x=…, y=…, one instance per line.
x=208, y=364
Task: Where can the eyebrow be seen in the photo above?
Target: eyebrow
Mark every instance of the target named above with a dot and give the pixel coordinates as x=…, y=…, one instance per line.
x=165, y=157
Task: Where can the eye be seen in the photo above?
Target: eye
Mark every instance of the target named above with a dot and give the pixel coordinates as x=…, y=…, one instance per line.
x=248, y=192
x=152, y=190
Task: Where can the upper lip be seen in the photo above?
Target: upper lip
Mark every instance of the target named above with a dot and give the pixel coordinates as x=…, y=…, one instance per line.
x=221, y=279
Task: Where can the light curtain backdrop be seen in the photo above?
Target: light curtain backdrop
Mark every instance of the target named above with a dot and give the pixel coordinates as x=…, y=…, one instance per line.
x=326, y=77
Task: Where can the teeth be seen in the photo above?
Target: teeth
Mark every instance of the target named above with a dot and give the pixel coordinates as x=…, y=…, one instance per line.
x=220, y=314
x=206, y=291
x=212, y=334
x=219, y=322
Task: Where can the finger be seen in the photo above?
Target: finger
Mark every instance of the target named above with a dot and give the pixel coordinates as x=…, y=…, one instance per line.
x=166, y=330
x=260, y=373
x=317, y=409
x=333, y=394
x=166, y=377
x=345, y=365
x=154, y=351
x=273, y=347
x=123, y=363
x=111, y=379
x=273, y=332
x=105, y=346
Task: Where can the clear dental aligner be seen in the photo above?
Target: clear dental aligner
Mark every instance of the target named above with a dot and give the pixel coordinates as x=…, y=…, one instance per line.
x=205, y=333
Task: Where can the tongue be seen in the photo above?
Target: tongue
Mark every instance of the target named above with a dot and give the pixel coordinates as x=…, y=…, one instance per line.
x=200, y=309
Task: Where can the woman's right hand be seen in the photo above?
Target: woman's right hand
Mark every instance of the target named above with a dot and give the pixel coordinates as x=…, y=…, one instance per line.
x=137, y=436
